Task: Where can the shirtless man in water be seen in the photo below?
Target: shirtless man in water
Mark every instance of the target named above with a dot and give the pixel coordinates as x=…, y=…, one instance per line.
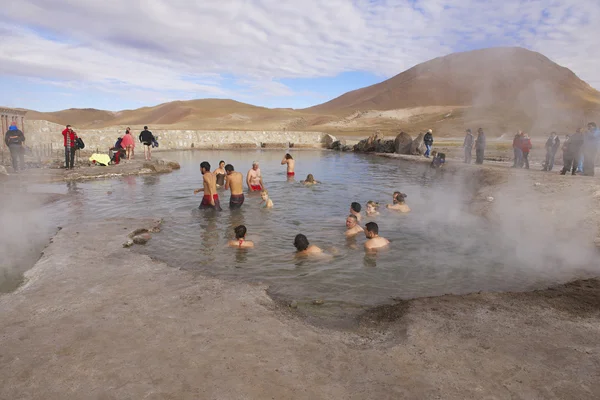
x=352, y=226
x=235, y=182
x=211, y=198
x=399, y=204
x=291, y=163
x=254, y=179
x=303, y=247
x=374, y=240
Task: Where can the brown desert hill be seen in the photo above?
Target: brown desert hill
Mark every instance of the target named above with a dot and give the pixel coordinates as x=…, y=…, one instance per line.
x=499, y=89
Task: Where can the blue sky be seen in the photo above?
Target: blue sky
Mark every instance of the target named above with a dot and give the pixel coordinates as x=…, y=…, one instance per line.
x=123, y=54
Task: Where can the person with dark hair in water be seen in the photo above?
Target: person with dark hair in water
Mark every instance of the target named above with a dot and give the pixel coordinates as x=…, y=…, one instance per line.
x=211, y=198
x=291, y=163
x=355, y=210
x=398, y=202
x=374, y=240
x=220, y=174
x=303, y=247
x=352, y=227
x=240, y=238
x=235, y=182
x=590, y=149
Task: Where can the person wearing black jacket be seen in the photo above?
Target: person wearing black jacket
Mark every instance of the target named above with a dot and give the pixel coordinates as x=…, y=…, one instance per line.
x=552, y=146
x=575, y=149
x=14, y=139
x=428, y=140
x=146, y=137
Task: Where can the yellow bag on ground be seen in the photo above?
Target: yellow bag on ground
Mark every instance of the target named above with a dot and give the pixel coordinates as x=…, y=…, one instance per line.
x=100, y=159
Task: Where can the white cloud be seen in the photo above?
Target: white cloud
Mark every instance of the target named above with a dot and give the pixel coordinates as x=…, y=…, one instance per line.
x=161, y=46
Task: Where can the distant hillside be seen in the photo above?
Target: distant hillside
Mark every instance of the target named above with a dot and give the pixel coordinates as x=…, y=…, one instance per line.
x=499, y=89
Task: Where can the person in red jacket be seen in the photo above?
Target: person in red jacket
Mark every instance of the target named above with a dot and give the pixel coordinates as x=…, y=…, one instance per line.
x=525, y=148
x=70, y=137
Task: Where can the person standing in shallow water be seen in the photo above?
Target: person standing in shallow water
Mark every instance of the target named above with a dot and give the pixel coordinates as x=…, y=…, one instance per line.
x=14, y=139
x=235, y=182
x=254, y=179
x=374, y=240
x=220, y=174
x=479, y=147
x=211, y=198
x=428, y=141
x=291, y=164
x=468, y=146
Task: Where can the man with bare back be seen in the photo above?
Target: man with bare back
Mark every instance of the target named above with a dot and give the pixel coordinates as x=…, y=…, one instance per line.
x=235, y=182
x=291, y=163
x=211, y=198
x=254, y=179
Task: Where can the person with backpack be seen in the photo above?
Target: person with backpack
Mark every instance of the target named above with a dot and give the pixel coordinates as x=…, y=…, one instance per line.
x=70, y=142
x=147, y=139
x=14, y=139
x=428, y=140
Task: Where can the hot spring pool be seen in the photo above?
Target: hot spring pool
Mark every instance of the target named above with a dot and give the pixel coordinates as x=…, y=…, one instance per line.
x=436, y=249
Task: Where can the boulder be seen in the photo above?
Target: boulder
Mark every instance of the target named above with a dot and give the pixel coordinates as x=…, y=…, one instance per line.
x=369, y=144
x=418, y=145
x=385, y=146
x=142, y=238
x=328, y=140
x=403, y=143
x=338, y=144
x=3, y=170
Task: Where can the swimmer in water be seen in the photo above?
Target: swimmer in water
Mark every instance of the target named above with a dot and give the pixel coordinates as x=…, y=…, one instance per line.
x=374, y=240
x=220, y=174
x=235, y=182
x=240, y=238
x=211, y=198
x=265, y=199
x=310, y=180
x=372, y=208
x=399, y=204
x=352, y=227
x=355, y=210
x=254, y=178
x=305, y=248
x=291, y=163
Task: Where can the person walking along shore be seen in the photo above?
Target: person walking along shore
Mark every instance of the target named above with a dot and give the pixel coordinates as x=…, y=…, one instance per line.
x=70, y=144
x=14, y=139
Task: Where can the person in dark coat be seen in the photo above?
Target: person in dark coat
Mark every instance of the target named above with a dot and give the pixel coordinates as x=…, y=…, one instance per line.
x=576, y=148
x=552, y=146
x=468, y=146
x=518, y=162
x=479, y=146
x=590, y=149
x=526, y=148
x=14, y=139
x=428, y=141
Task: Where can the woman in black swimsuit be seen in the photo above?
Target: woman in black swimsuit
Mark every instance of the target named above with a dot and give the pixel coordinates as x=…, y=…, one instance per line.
x=220, y=174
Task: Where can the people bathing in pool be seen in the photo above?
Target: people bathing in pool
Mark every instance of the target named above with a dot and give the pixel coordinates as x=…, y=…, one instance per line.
x=352, y=227
x=220, y=174
x=303, y=247
x=291, y=163
x=265, y=199
x=310, y=180
x=254, y=179
x=355, y=210
x=372, y=208
x=240, y=238
x=211, y=198
x=398, y=203
x=374, y=241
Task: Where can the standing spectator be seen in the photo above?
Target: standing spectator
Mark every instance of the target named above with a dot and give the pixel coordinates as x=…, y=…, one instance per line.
x=526, y=148
x=590, y=149
x=552, y=145
x=568, y=157
x=14, y=139
x=468, y=146
x=576, y=148
x=146, y=137
x=428, y=140
x=479, y=146
x=518, y=162
x=70, y=137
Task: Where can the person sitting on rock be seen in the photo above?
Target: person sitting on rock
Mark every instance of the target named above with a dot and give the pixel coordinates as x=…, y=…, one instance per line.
x=303, y=247
x=352, y=227
x=374, y=240
x=428, y=141
x=399, y=204
x=310, y=180
x=240, y=238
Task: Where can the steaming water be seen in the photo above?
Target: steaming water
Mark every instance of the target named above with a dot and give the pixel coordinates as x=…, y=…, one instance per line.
x=436, y=249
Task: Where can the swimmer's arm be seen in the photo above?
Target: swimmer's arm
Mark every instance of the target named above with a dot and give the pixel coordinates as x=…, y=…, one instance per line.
x=248, y=180
x=284, y=161
x=226, y=183
x=199, y=190
x=262, y=184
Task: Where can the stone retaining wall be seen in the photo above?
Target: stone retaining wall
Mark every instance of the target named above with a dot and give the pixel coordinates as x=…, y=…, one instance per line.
x=47, y=134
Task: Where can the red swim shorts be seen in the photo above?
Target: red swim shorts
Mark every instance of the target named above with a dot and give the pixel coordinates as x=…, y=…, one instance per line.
x=206, y=202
